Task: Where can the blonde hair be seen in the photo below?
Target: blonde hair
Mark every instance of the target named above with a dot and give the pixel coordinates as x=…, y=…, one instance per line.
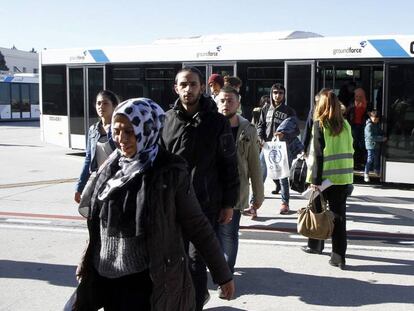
x=328, y=112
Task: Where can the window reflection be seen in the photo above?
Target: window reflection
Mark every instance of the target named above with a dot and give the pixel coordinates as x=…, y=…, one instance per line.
x=400, y=145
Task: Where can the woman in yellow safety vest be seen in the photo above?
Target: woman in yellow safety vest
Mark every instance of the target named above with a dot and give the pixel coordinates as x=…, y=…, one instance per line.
x=331, y=157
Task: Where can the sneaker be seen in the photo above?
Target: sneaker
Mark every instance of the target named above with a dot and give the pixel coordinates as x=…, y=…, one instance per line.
x=250, y=211
x=366, y=177
x=284, y=209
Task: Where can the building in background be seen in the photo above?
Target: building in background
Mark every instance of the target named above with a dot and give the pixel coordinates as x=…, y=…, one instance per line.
x=14, y=61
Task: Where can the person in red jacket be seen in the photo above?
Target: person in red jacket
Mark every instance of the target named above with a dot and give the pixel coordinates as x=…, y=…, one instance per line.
x=356, y=114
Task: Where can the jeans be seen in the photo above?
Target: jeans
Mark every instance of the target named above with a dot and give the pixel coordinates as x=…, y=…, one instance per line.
x=373, y=160
x=229, y=239
x=336, y=197
x=284, y=190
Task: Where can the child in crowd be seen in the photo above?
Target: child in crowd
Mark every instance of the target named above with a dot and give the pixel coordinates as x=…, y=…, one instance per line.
x=374, y=136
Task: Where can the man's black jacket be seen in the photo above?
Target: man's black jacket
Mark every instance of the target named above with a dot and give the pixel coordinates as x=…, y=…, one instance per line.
x=206, y=142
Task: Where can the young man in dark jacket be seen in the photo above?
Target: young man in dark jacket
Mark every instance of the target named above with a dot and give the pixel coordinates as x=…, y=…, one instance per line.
x=196, y=131
x=271, y=116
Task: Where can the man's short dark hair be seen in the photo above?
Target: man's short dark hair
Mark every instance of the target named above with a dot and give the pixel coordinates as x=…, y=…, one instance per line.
x=192, y=70
x=229, y=89
x=278, y=86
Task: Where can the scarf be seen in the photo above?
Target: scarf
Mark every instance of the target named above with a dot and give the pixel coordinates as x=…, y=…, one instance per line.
x=118, y=193
x=147, y=119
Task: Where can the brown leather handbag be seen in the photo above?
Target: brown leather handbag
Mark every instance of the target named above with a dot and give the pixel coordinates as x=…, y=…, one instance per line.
x=316, y=225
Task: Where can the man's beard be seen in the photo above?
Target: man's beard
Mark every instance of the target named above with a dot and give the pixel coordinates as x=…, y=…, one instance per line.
x=193, y=102
x=229, y=116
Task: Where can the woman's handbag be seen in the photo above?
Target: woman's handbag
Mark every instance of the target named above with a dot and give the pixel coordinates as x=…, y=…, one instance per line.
x=316, y=225
x=276, y=157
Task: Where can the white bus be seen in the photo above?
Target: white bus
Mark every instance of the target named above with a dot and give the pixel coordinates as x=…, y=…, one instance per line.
x=304, y=62
x=19, y=97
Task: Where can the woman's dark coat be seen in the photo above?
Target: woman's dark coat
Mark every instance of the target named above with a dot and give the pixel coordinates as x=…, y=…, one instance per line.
x=173, y=213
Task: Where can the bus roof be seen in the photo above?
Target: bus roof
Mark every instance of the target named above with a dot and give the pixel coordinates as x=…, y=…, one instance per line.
x=237, y=37
x=290, y=45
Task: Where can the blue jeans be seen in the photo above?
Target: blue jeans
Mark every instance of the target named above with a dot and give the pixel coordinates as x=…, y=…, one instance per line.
x=284, y=190
x=229, y=239
x=373, y=160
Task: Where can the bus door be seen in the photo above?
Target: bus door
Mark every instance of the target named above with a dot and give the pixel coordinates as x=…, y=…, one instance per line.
x=343, y=78
x=300, y=88
x=398, y=113
x=207, y=69
x=83, y=85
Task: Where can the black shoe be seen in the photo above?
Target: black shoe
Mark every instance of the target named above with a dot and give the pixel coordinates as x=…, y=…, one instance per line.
x=337, y=261
x=309, y=250
x=276, y=191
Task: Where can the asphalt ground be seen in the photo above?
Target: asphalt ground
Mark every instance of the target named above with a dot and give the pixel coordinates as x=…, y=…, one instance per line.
x=42, y=238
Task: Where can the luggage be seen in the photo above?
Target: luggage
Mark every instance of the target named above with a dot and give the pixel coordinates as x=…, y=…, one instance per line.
x=298, y=173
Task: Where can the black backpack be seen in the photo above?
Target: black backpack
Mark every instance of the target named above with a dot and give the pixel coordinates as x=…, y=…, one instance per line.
x=298, y=173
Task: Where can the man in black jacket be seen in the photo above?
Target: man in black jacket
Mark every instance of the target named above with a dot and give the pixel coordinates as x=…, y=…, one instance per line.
x=196, y=131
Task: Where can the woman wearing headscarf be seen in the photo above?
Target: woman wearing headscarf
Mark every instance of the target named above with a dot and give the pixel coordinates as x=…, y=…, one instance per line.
x=331, y=157
x=139, y=208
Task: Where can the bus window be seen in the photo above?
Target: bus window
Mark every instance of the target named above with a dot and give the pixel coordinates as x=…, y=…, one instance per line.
x=16, y=100
x=25, y=107
x=400, y=130
x=257, y=81
x=54, y=90
x=4, y=93
x=34, y=94
x=223, y=70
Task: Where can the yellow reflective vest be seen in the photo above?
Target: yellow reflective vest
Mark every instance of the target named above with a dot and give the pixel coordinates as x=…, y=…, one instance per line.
x=338, y=157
